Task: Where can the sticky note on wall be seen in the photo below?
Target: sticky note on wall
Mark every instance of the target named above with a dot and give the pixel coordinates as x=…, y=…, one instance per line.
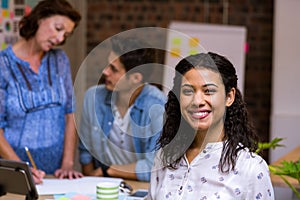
x=5, y=13
x=4, y=4
x=175, y=52
x=11, y=15
x=194, y=42
x=176, y=41
x=193, y=51
x=27, y=10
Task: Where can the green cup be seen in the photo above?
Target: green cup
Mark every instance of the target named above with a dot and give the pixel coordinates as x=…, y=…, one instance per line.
x=108, y=190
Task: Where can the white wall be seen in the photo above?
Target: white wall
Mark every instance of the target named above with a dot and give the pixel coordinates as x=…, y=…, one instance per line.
x=285, y=116
x=186, y=38
x=75, y=48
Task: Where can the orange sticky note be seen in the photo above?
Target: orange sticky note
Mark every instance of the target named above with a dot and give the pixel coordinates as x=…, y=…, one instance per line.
x=5, y=13
x=175, y=52
x=194, y=42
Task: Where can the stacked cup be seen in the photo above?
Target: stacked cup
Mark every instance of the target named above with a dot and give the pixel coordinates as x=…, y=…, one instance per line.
x=108, y=191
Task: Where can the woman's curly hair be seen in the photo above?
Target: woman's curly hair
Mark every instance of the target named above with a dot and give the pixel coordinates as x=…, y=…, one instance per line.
x=177, y=134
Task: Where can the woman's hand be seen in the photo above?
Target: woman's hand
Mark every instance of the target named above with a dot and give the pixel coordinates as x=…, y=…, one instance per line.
x=67, y=173
x=70, y=143
x=37, y=175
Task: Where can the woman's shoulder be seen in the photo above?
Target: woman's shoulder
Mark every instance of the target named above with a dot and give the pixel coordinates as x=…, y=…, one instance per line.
x=254, y=171
x=251, y=162
x=7, y=51
x=58, y=51
x=60, y=54
x=7, y=57
x=157, y=163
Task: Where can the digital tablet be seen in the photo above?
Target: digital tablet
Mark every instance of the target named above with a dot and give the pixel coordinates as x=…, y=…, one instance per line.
x=16, y=178
x=138, y=195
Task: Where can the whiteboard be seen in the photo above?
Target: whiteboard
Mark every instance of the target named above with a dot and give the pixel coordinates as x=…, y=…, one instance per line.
x=186, y=38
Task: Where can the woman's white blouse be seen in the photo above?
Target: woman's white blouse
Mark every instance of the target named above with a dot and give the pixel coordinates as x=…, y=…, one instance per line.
x=202, y=180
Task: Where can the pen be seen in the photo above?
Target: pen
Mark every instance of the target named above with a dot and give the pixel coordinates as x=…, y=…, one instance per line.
x=30, y=158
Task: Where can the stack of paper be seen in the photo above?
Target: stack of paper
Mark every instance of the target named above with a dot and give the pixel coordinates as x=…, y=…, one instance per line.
x=85, y=185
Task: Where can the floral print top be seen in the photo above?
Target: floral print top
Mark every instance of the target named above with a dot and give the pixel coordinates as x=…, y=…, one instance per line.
x=33, y=106
x=202, y=180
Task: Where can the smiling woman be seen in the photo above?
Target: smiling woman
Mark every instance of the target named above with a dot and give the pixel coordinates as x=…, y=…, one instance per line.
x=207, y=147
x=203, y=99
x=36, y=106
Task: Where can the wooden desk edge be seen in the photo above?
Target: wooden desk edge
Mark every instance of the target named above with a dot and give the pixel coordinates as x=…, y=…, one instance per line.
x=278, y=181
x=134, y=184
x=293, y=155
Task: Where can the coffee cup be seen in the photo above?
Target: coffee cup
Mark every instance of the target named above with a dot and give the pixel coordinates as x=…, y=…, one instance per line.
x=107, y=190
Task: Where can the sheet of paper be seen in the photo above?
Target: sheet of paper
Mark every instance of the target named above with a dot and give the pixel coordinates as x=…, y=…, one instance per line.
x=75, y=196
x=85, y=185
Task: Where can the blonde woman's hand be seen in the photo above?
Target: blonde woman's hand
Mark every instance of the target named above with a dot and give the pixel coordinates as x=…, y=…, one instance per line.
x=67, y=173
x=37, y=175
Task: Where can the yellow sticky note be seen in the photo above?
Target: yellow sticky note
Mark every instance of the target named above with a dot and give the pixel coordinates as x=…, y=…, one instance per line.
x=194, y=42
x=176, y=41
x=3, y=46
x=193, y=51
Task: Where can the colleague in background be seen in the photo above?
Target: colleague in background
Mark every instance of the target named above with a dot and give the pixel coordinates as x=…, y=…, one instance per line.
x=122, y=118
x=36, y=94
x=207, y=145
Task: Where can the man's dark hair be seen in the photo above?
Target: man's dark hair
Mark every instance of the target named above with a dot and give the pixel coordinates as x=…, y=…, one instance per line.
x=133, y=54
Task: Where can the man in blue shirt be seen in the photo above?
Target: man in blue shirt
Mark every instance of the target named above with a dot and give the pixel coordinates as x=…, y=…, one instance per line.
x=122, y=118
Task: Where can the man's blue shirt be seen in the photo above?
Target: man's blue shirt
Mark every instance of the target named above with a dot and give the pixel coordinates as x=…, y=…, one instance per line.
x=146, y=118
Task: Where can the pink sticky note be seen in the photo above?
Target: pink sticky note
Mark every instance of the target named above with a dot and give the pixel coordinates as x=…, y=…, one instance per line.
x=81, y=197
x=11, y=15
x=27, y=9
x=246, y=47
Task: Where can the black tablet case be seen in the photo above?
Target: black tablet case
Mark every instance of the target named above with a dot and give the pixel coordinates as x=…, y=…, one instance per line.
x=16, y=177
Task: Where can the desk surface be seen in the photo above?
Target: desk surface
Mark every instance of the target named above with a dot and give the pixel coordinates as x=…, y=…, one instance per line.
x=294, y=155
x=135, y=185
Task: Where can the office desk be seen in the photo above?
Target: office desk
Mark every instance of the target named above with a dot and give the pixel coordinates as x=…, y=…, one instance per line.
x=135, y=185
x=294, y=155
